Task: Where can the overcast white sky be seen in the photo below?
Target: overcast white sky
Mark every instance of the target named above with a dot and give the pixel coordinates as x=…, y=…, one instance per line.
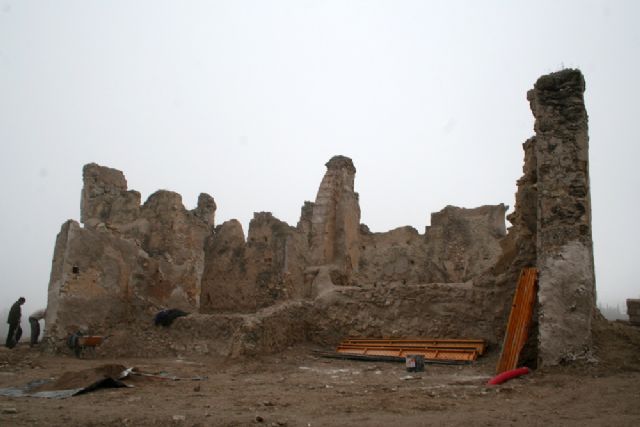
x=246, y=100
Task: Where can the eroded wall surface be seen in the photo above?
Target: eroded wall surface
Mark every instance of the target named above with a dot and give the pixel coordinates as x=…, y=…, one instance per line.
x=335, y=219
x=633, y=311
x=552, y=221
x=564, y=244
x=128, y=260
x=330, y=276
x=245, y=276
x=92, y=280
x=459, y=245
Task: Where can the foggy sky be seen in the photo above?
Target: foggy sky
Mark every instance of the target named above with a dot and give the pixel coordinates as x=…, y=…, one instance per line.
x=246, y=101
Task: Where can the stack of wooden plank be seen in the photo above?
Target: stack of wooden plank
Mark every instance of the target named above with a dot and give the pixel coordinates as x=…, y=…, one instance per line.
x=520, y=319
x=430, y=348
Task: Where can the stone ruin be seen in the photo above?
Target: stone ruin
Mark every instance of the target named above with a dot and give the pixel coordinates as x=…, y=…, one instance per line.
x=633, y=311
x=330, y=276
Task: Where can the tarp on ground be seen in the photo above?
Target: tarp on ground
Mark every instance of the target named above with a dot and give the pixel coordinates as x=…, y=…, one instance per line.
x=72, y=383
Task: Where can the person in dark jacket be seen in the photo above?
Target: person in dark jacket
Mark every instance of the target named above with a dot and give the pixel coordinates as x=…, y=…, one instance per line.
x=15, y=331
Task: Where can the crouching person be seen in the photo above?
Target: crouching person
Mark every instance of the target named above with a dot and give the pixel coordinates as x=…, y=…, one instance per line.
x=34, y=321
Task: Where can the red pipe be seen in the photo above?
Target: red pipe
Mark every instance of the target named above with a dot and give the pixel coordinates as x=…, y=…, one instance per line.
x=506, y=376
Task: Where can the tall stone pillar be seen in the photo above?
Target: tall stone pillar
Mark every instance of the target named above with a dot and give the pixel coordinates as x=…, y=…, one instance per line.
x=335, y=221
x=564, y=245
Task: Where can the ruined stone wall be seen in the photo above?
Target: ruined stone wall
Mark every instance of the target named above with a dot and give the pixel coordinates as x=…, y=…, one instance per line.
x=564, y=244
x=633, y=311
x=552, y=221
x=174, y=238
x=92, y=282
x=105, y=199
x=335, y=219
x=398, y=255
x=160, y=255
x=225, y=286
x=330, y=276
x=446, y=310
x=246, y=276
x=128, y=260
x=459, y=245
x=519, y=249
x=464, y=243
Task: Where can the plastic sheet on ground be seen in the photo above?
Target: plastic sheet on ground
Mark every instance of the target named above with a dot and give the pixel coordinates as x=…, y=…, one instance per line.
x=72, y=383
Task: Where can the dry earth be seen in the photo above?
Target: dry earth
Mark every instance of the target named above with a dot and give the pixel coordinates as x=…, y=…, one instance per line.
x=296, y=388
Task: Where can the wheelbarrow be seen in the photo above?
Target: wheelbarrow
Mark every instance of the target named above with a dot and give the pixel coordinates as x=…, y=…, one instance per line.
x=81, y=343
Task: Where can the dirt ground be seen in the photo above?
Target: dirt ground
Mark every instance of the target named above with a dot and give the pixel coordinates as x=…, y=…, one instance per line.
x=297, y=388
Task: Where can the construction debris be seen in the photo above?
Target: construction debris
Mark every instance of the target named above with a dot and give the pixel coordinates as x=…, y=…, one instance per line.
x=414, y=363
x=506, y=376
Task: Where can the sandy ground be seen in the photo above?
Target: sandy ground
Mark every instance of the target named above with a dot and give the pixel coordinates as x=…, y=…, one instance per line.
x=296, y=388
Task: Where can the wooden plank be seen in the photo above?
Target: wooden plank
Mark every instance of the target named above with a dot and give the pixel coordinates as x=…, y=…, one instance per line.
x=519, y=322
x=429, y=354
x=393, y=347
x=478, y=345
x=413, y=341
x=430, y=348
x=364, y=357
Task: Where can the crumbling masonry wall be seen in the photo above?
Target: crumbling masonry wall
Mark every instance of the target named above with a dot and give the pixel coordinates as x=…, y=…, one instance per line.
x=335, y=220
x=564, y=244
x=330, y=276
x=552, y=221
x=245, y=276
x=128, y=260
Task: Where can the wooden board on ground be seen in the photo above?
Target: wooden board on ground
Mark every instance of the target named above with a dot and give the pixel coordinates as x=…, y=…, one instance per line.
x=430, y=348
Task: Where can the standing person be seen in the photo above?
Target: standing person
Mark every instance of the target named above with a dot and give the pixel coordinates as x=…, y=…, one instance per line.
x=34, y=321
x=15, y=331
